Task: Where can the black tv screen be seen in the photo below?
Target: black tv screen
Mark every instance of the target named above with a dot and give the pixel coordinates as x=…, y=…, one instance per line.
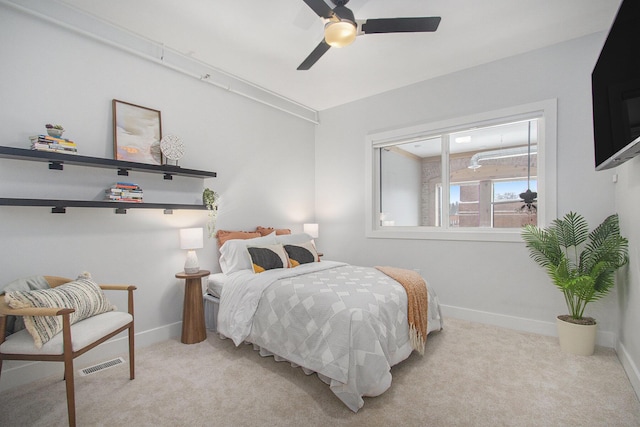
x=616, y=90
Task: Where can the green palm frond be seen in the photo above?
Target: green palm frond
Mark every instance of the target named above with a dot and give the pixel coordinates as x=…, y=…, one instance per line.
x=603, y=280
x=572, y=230
x=581, y=264
x=543, y=245
x=605, y=244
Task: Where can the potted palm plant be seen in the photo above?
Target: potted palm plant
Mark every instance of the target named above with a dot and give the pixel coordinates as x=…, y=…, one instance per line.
x=582, y=265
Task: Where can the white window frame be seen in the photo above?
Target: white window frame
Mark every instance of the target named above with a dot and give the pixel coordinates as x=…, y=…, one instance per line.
x=546, y=172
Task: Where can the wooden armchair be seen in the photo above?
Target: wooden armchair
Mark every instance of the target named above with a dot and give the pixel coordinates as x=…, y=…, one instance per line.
x=73, y=341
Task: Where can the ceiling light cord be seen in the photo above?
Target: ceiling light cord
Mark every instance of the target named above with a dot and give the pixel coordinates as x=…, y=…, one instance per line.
x=529, y=197
x=529, y=155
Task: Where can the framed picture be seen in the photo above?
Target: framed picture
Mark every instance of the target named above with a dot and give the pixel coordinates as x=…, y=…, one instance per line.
x=137, y=132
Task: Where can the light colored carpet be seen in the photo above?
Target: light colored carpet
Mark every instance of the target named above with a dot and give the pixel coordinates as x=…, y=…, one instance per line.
x=470, y=375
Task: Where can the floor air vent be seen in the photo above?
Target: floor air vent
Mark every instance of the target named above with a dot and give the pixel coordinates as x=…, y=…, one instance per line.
x=101, y=366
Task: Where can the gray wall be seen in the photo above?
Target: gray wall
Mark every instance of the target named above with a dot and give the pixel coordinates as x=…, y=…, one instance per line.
x=495, y=282
x=498, y=283
x=264, y=159
x=627, y=205
x=52, y=75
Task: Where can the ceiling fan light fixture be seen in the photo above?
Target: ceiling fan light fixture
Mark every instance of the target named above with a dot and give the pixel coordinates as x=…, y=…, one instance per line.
x=340, y=34
x=341, y=27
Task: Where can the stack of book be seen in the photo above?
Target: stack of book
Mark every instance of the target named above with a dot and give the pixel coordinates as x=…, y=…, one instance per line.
x=51, y=143
x=124, y=192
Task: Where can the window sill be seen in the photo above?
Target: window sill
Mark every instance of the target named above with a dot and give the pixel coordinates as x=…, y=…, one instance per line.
x=434, y=233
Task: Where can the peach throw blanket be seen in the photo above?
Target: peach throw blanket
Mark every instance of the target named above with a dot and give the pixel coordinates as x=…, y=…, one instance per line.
x=417, y=303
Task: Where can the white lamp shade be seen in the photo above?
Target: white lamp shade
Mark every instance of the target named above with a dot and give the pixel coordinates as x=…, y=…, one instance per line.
x=191, y=238
x=311, y=230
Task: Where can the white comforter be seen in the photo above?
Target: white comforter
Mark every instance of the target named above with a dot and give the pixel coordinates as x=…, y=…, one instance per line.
x=347, y=323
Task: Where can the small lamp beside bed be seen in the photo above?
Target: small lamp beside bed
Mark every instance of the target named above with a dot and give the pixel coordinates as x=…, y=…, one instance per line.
x=191, y=239
x=311, y=230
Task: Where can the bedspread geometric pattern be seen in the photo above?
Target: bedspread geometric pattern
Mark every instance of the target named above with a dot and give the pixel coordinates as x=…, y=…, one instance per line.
x=347, y=323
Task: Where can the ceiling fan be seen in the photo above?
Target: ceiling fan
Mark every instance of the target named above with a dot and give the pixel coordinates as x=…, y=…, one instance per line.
x=341, y=27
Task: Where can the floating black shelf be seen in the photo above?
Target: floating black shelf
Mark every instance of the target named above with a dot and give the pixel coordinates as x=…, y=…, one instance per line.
x=58, y=160
x=58, y=206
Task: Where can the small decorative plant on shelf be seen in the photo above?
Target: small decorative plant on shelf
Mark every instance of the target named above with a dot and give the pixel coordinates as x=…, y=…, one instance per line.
x=209, y=199
x=54, y=130
x=580, y=263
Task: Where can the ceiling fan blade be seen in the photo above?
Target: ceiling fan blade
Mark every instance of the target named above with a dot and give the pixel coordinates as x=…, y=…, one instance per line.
x=343, y=12
x=313, y=57
x=320, y=8
x=401, y=25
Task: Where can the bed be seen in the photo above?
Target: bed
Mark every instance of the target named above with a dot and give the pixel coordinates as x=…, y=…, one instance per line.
x=346, y=323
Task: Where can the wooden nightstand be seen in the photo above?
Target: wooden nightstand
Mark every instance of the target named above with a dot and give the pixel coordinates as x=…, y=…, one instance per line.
x=193, y=327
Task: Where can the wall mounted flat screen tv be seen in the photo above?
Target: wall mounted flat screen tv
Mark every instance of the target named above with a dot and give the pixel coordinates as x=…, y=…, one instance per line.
x=615, y=83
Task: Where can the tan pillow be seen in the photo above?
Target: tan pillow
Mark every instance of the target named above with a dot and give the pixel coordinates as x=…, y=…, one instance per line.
x=83, y=295
x=224, y=235
x=268, y=230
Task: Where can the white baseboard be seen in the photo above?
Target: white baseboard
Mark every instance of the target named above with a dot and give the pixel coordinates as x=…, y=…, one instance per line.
x=16, y=373
x=629, y=367
x=603, y=338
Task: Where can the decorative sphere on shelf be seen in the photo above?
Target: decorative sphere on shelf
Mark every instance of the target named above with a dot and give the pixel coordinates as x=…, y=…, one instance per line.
x=172, y=148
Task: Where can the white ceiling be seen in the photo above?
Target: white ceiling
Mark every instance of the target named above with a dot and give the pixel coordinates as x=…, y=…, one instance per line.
x=263, y=41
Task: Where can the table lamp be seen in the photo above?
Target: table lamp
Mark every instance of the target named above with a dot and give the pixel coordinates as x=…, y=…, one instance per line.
x=311, y=230
x=191, y=239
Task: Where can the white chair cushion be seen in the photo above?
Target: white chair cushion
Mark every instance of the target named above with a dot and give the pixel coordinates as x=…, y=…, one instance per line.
x=83, y=333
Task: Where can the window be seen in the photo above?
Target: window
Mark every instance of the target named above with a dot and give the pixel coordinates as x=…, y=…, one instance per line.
x=485, y=162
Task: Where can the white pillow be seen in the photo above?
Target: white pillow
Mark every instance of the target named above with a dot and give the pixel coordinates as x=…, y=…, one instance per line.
x=293, y=239
x=234, y=255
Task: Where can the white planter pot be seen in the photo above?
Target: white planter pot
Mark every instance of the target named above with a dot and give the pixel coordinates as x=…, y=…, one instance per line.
x=576, y=339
